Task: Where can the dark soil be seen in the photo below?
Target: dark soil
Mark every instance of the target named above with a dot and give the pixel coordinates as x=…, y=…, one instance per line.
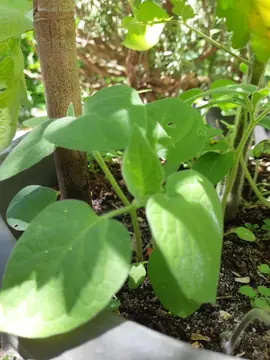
x=207, y=327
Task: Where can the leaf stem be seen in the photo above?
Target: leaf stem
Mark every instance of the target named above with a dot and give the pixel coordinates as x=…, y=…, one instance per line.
x=206, y=37
x=123, y=210
x=238, y=153
x=252, y=183
x=111, y=178
x=137, y=234
x=131, y=208
x=217, y=44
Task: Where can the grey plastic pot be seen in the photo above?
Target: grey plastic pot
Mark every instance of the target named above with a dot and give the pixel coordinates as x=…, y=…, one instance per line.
x=108, y=336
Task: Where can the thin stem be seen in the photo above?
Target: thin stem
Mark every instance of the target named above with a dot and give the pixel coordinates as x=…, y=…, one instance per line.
x=111, y=178
x=137, y=233
x=125, y=201
x=261, y=116
x=217, y=44
x=252, y=183
x=210, y=40
x=126, y=209
x=231, y=177
x=254, y=314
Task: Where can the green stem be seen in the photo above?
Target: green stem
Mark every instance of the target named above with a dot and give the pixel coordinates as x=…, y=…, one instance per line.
x=111, y=178
x=252, y=183
x=238, y=153
x=132, y=208
x=137, y=233
x=210, y=40
x=126, y=209
x=217, y=44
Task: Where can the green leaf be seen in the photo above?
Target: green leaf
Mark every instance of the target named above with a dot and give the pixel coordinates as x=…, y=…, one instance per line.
x=264, y=291
x=27, y=204
x=260, y=303
x=13, y=22
x=214, y=166
x=136, y=275
x=114, y=305
x=247, y=291
x=222, y=83
x=264, y=268
x=141, y=34
x=141, y=167
x=183, y=124
x=262, y=149
x=265, y=122
x=259, y=95
x=216, y=145
x=35, y=121
x=243, y=68
x=106, y=125
x=244, y=234
x=212, y=131
x=70, y=110
x=11, y=70
x=189, y=94
x=27, y=153
x=180, y=8
x=187, y=226
x=248, y=20
x=22, y=5
x=64, y=270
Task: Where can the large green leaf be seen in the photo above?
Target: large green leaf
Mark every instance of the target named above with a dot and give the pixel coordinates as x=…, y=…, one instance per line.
x=27, y=204
x=64, y=270
x=183, y=124
x=27, y=153
x=13, y=21
x=142, y=170
x=12, y=81
x=214, y=166
x=141, y=34
x=106, y=124
x=187, y=226
x=248, y=20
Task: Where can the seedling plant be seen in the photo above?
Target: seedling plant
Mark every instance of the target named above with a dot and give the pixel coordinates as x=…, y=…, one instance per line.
x=69, y=262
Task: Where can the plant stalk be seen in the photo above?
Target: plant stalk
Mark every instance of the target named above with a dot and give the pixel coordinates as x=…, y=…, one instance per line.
x=252, y=183
x=232, y=176
x=125, y=201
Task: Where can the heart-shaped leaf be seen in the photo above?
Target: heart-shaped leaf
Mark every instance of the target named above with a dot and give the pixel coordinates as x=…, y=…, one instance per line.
x=136, y=275
x=183, y=124
x=27, y=153
x=64, y=270
x=187, y=226
x=27, y=204
x=141, y=34
x=106, y=125
x=142, y=170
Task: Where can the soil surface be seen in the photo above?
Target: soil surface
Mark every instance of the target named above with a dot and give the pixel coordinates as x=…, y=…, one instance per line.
x=208, y=327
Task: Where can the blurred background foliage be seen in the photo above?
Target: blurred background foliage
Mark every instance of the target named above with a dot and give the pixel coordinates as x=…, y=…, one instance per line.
x=182, y=60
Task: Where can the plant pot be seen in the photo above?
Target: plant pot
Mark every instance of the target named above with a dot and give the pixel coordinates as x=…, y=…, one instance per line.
x=108, y=336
